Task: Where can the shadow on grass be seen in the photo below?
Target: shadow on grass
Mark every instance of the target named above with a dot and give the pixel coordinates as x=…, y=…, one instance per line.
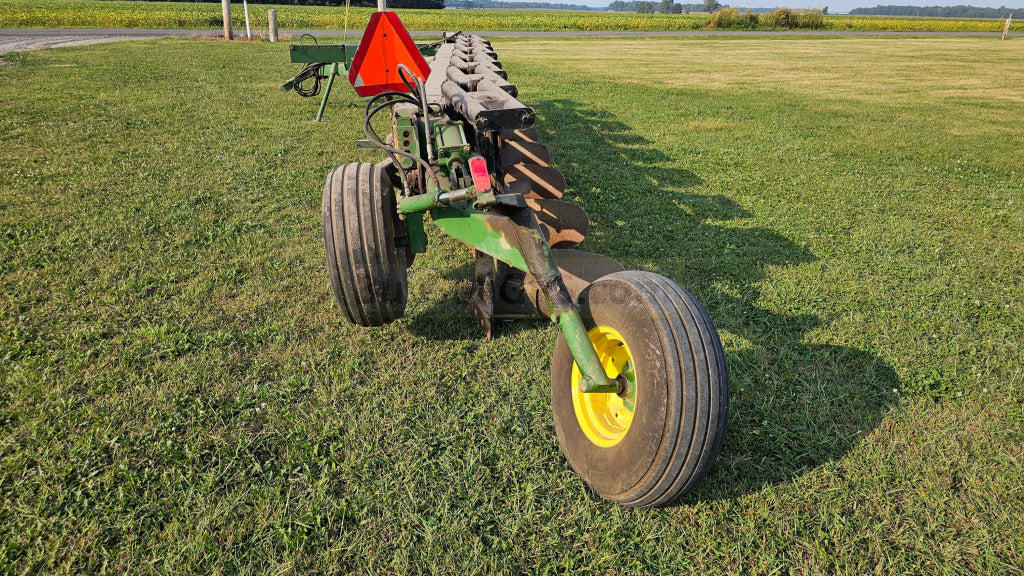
x=448, y=318
x=794, y=406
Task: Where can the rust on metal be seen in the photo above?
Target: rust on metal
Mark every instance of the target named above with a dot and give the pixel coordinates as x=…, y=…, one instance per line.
x=577, y=269
x=481, y=301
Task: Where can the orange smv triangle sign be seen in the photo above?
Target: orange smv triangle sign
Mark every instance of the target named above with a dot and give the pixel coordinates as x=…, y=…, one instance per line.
x=385, y=44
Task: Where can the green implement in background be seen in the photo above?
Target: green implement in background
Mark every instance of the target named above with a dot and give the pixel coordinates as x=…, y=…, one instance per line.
x=321, y=62
x=325, y=62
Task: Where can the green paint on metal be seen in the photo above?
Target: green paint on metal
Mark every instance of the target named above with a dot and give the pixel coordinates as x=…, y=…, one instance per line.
x=327, y=91
x=418, y=203
x=451, y=145
x=326, y=53
x=594, y=378
x=408, y=135
x=472, y=227
x=417, y=235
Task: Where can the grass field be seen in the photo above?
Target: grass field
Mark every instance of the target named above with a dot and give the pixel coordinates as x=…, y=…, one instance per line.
x=180, y=395
x=129, y=14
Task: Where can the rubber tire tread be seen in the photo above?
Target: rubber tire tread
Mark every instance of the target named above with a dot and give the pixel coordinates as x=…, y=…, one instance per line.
x=696, y=384
x=367, y=273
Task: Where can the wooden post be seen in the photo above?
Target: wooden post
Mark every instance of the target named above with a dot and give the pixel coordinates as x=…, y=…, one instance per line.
x=272, y=19
x=225, y=7
x=1007, y=27
x=382, y=5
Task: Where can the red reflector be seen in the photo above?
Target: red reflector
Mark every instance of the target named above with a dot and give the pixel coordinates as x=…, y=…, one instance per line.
x=478, y=168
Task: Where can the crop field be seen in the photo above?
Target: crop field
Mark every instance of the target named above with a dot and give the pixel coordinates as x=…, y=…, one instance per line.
x=917, y=24
x=195, y=15
x=180, y=394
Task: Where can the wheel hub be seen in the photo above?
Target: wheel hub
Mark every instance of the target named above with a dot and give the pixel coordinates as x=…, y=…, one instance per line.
x=605, y=418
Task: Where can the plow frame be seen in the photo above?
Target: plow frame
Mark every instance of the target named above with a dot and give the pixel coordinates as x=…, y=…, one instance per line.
x=639, y=382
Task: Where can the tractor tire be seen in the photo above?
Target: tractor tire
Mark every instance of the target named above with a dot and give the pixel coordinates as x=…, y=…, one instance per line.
x=360, y=219
x=652, y=443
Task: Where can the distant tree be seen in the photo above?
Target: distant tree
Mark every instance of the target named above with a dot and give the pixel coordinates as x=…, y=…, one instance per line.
x=936, y=11
x=645, y=7
x=825, y=10
x=504, y=5
x=711, y=6
x=665, y=7
x=621, y=6
x=631, y=6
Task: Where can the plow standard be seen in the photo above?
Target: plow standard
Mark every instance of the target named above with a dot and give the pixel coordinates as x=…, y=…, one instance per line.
x=639, y=387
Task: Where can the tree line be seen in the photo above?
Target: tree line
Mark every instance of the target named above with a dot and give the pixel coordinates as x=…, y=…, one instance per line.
x=938, y=11
x=500, y=5
x=662, y=7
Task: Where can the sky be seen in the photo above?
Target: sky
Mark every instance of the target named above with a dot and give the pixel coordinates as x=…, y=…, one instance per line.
x=834, y=6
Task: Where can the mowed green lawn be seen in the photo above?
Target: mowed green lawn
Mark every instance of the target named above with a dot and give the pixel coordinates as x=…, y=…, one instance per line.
x=180, y=394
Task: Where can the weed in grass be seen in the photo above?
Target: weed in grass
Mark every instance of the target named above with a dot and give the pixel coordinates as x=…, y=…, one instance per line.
x=12, y=59
x=723, y=19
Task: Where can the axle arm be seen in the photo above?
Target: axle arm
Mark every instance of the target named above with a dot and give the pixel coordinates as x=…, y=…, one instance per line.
x=512, y=235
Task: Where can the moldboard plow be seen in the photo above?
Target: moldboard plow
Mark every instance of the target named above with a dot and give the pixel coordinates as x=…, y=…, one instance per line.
x=639, y=387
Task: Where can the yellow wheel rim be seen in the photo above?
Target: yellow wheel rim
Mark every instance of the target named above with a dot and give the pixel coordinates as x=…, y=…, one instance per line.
x=605, y=417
